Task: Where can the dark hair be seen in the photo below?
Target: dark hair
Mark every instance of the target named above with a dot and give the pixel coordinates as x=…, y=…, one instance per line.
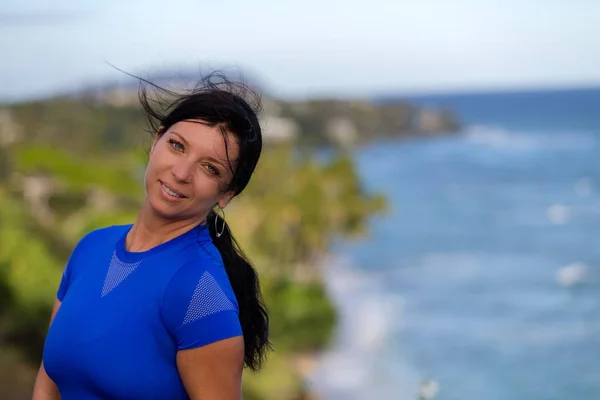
x=233, y=107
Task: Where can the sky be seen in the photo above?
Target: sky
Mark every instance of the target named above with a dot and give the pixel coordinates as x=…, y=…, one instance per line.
x=305, y=48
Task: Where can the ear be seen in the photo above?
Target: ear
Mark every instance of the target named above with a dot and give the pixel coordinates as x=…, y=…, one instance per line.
x=225, y=199
x=159, y=133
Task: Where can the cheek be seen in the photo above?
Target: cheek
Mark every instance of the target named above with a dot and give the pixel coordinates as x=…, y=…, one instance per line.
x=158, y=161
x=148, y=173
x=206, y=189
x=152, y=174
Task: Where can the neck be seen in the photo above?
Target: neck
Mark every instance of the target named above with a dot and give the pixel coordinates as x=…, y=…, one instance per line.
x=150, y=230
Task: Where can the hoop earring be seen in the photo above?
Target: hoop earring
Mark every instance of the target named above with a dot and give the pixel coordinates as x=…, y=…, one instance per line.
x=217, y=233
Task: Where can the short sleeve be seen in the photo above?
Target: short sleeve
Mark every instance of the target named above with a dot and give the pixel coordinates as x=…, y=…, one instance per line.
x=199, y=306
x=67, y=275
x=65, y=280
x=68, y=272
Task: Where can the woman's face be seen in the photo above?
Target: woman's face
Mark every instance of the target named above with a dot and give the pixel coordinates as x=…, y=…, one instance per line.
x=189, y=170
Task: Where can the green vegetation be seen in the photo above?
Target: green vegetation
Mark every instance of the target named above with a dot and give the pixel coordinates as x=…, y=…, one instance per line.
x=78, y=165
x=332, y=121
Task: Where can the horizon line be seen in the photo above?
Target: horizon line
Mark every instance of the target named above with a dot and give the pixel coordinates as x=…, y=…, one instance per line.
x=373, y=94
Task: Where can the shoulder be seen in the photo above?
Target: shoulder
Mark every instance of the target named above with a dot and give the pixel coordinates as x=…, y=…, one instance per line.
x=203, y=271
x=95, y=240
x=199, y=297
x=200, y=259
x=91, y=245
x=110, y=233
x=202, y=253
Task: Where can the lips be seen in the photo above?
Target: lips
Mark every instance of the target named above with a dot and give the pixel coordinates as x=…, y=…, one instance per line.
x=172, y=191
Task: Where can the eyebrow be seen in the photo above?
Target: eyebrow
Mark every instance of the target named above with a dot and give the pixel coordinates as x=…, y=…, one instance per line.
x=180, y=137
x=186, y=143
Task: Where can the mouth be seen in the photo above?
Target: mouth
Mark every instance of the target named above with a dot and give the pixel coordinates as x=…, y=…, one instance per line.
x=168, y=190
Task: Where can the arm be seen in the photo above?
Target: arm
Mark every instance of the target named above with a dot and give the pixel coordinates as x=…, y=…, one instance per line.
x=44, y=388
x=214, y=371
x=201, y=312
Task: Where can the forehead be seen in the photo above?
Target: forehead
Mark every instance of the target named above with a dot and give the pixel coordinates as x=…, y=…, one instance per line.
x=206, y=140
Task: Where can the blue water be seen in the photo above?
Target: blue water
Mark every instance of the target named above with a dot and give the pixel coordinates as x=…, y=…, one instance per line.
x=460, y=281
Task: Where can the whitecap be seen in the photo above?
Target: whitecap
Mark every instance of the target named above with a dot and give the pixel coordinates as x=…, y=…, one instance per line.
x=572, y=274
x=559, y=214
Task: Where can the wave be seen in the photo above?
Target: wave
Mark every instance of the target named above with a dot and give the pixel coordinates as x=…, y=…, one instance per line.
x=362, y=363
x=499, y=138
x=504, y=139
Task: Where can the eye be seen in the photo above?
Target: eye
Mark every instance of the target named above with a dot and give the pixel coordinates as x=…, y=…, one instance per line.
x=211, y=169
x=177, y=146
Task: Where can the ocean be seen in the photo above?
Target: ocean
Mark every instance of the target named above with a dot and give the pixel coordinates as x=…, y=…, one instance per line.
x=483, y=278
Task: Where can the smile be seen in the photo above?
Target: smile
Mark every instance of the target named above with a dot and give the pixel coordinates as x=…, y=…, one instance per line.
x=171, y=192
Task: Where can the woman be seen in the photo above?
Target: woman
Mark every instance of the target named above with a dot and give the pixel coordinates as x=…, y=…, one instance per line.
x=168, y=307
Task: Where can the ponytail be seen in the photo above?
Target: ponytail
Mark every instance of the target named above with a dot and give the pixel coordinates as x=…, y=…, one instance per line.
x=232, y=107
x=244, y=281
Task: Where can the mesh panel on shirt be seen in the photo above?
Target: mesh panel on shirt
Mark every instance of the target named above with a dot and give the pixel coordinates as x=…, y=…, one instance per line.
x=208, y=298
x=117, y=272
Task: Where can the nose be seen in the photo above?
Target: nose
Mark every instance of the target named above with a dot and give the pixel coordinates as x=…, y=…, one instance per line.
x=182, y=171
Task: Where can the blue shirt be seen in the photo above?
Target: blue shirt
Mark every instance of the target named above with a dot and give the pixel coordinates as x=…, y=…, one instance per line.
x=125, y=315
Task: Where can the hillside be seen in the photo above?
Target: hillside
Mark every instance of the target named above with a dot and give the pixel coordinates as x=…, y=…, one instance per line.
x=314, y=122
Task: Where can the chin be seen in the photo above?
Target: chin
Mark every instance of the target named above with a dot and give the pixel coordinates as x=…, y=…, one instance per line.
x=160, y=208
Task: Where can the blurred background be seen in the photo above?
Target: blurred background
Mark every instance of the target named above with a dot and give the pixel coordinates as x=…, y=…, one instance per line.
x=425, y=214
